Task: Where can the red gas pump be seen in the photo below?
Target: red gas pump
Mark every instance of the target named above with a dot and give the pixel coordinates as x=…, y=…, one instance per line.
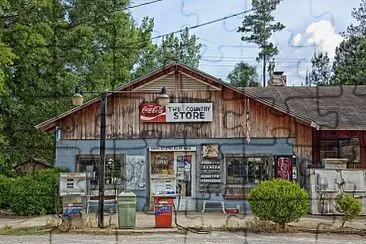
x=163, y=211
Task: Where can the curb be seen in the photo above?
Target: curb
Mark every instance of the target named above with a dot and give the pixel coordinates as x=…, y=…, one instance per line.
x=291, y=230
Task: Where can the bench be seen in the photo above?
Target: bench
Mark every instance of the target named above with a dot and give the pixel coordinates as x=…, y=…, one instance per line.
x=212, y=201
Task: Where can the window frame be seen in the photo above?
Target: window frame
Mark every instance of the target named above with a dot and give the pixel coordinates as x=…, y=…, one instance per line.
x=340, y=154
x=240, y=191
x=96, y=157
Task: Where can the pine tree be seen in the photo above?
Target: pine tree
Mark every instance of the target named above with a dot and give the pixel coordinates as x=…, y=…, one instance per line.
x=258, y=29
x=320, y=73
x=350, y=58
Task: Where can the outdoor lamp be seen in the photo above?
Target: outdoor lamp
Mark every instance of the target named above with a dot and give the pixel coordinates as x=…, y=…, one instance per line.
x=163, y=98
x=77, y=98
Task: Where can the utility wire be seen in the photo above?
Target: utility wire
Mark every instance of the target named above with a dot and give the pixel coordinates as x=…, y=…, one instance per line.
x=142, y=4
x=217, y=20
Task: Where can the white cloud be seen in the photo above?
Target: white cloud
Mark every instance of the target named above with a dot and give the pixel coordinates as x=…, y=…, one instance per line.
x=323, y=34
x=296, y=39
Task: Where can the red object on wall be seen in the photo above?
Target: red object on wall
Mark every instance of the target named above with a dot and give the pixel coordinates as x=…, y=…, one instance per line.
x=284, y=170
x=152, y=112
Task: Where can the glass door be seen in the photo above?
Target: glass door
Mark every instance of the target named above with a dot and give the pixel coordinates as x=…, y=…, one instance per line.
x=185, y=175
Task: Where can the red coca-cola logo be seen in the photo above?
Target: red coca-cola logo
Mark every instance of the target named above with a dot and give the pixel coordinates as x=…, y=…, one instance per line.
x=152, y=113
x=152, y=109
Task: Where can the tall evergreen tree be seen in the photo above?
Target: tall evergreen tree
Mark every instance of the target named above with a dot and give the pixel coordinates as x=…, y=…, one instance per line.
x=350, y=62
x=350, y=58
x=359, y=14
x=258, y=29
x=320, y=73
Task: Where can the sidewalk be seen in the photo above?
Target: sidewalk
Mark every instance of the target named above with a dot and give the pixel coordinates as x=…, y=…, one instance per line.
x=145, y=222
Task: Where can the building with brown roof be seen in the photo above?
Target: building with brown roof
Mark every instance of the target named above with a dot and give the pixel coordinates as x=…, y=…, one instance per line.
x=213, y=141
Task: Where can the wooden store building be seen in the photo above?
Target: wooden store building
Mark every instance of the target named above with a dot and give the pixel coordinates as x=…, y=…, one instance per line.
x=213, y=141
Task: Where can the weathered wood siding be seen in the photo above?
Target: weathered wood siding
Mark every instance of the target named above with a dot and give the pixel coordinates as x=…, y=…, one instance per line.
x=229, y=117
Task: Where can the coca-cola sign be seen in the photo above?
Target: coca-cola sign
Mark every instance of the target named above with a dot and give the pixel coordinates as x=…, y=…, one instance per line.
x=176, y=112
x=151, y=112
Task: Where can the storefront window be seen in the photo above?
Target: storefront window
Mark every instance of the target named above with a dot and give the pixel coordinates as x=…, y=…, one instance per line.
x=242, y=173
x=246, y=170
x=341, y=148
x=162, y=163
x=113, y=168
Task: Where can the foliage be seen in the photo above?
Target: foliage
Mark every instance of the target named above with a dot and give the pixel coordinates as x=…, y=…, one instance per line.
x=349, y=206
x=360, y=16
x=278, y=200
x=60, y=44
x=350, y=57
x=320, y=73
x=35, y=194
x=183, y=49
x=5, y=186
x=259, y=27
x=243, y=75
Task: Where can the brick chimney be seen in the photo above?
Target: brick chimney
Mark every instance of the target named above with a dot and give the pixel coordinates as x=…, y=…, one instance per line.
x=277, y=79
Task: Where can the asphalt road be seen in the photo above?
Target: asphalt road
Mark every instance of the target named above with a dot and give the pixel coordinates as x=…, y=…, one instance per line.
x=215, y=237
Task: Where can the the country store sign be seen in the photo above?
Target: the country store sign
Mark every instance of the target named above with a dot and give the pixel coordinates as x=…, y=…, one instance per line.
x=176, y=112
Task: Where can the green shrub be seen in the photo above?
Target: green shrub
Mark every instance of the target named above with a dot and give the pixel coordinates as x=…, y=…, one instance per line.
x=35, y=194
x=278, y=200
x=349, y=206
x=5, y=185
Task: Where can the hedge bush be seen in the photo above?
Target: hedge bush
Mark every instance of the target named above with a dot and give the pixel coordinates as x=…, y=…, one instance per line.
x=35, y=194
x=5, y=186
x=349, y=206
x=278, y=200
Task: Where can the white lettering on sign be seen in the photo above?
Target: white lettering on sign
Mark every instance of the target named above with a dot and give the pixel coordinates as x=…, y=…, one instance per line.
x=152, y=110
x=172, y=149
x=189, y=112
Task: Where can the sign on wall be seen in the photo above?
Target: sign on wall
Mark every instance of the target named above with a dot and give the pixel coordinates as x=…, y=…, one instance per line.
x=176, y=112
x=135, y=173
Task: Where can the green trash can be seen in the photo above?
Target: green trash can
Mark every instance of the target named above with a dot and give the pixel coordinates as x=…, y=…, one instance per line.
x=126, y=206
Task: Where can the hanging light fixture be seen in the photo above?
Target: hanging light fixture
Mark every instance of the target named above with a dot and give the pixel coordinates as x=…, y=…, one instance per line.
x=77, y=98
x=163, y=98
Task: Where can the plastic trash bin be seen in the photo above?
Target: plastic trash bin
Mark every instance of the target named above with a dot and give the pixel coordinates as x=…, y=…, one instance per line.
x=126, y=206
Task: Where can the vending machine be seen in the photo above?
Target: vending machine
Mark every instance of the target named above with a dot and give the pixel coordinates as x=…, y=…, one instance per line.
x=74, y=188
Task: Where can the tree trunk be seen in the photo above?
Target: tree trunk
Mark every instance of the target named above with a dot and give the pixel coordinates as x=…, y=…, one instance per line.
x=264, y=70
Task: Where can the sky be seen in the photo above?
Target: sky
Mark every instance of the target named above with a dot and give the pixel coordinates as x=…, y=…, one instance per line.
x=311, y=25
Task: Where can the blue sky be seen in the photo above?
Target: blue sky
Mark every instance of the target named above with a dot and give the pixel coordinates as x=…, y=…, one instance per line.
x=311, y=25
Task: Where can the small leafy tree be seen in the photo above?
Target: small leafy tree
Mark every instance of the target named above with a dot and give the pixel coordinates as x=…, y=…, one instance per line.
x=243, y=75
x=349, y=206
x=279, y=200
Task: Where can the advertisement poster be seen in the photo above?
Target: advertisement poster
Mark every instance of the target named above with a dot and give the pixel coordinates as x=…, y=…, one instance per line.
x=135, y=173
x=284, y=169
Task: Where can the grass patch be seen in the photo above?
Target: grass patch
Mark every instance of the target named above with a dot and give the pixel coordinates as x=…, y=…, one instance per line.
x=35, y=230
